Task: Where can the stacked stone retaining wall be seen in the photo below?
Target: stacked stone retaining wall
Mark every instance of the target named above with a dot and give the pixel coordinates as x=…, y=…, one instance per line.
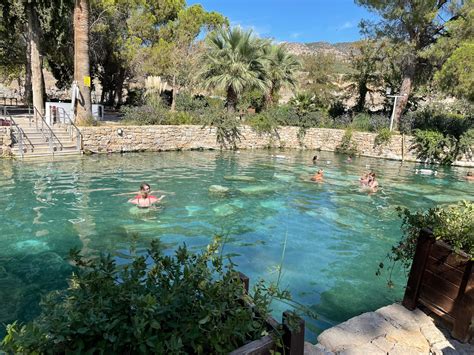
x=116, y=138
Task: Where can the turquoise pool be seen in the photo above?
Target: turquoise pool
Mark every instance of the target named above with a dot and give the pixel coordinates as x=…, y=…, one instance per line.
x=336, y=235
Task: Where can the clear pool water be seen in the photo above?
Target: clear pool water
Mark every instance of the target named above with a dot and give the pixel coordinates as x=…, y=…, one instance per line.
x=336, y=235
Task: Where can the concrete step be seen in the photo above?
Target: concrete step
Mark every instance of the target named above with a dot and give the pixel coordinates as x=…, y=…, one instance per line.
x=44, y=148
x=40, y=156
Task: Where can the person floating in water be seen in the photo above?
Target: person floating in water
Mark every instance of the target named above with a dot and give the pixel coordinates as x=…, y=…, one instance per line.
x=315, y=159
x=144, y=199
x=469, y=176
x=318, y=177
x=369, y=182
x=349, y=159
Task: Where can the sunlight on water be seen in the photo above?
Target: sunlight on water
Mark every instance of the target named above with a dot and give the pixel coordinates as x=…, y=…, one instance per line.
x=336, y=233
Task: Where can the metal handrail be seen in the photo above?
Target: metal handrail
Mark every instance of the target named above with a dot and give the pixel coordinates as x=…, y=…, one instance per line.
x=71, y=124
x=21, y=134
x=51, y=135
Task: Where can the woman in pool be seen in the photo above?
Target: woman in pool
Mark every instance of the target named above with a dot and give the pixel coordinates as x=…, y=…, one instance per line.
x=144, y=199
x=469, y=176
x=318, y=177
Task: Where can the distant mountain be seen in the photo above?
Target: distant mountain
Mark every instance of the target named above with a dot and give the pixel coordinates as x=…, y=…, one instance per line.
x=340, y=50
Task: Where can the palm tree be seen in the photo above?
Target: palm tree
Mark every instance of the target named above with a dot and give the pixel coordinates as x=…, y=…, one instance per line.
x=234, y=62
x=281, y=69
x=81, y=59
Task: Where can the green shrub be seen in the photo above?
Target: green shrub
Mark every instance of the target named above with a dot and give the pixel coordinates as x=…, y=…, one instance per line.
x=433, y=147
x=361, y=122
x=262, y=122
x=191, y=104
x=466, y=144
x=383, y=137
x=157, y=304
x=378, y=122
x=453, y=224
x=180, y=118
x=435, y=119
x=227, y=127
x=347, y=145
x=151, y=113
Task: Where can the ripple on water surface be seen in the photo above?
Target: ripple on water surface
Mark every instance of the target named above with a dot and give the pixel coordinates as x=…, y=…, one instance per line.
x=334, y=235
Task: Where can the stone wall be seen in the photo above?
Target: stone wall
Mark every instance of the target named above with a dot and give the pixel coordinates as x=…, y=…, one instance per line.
x=104, y=139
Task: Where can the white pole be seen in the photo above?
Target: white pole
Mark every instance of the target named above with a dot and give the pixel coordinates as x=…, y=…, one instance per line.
x=393, y=113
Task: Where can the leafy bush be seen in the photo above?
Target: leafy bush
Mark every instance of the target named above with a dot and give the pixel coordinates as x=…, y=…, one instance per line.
x=378, y=122
x=347, y=145
x=453, y=224
x=342, y=121
x=466, y=144
x=151, y=113
x=188, y=103
x=262, y=123
x=157, y=304
x=434, y=147
x=383, y=137
x=361, y=122
x=180, y=118
x=434, y=119
x=227, y=127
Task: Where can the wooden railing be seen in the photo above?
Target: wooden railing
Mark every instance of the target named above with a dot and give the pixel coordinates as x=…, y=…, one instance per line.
x=442, y=281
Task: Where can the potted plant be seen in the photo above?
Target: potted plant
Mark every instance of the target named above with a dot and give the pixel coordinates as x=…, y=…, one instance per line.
x=438, y=248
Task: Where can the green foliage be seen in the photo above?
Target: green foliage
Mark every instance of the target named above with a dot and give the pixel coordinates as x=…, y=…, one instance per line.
x=383, y=137
x=181, y=304
x=151, y=113
x=227, y=127
x=337, y=108
x=453, y=224
x=433, y=146
x=466, y=144
x=262, y=122
x=320, y=77
x=347, y=145
x=234, y=62
x=457, y=74
x=361, y=122
x=437, y=119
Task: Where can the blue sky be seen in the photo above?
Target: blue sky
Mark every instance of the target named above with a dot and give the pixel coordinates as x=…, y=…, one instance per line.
x=294, y=20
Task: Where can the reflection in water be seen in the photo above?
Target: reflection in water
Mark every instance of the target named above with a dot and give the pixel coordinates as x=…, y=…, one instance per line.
x=335, y=234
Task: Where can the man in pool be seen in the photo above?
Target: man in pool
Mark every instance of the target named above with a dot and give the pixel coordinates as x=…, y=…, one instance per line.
x=144, y=199
x=318, y=177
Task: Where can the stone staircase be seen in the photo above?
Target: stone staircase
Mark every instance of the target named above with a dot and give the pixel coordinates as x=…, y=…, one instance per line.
x=31, y=139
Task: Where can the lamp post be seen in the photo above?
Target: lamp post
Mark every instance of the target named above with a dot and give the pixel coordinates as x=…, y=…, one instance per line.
x=389, y=90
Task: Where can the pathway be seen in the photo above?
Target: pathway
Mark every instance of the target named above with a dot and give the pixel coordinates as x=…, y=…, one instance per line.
x=389, y=330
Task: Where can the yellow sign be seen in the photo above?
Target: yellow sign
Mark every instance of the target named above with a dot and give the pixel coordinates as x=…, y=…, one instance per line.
x=87, y=81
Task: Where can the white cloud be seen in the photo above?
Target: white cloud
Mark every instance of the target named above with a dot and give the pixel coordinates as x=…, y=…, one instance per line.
x=346, y=25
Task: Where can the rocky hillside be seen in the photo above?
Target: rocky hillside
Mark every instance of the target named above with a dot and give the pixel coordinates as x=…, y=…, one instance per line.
x=340, y=50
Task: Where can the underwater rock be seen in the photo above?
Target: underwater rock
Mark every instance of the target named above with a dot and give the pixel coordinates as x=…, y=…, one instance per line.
x=258, y=189
x=32, y=246
x=224, y=210
x=240, y=178
x=218, y=189
x=193, y=209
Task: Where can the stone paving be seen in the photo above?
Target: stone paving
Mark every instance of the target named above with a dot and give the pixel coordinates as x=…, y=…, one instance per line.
x=389, y=330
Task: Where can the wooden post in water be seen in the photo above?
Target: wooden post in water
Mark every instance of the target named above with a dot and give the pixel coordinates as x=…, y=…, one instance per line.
x=293, y=334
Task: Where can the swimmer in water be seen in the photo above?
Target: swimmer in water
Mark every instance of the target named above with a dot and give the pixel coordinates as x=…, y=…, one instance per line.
x=144, y=199
x=469, y=176
x=318, y=177
x=315, y=159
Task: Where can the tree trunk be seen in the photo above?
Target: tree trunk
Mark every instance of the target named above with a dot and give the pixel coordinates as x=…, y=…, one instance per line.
x=173, y=95
x=83, y=108
x=362, y=94
x=36, y=62
x=231, y=99
x=119, y=92
x=28, y=93
x=405, y=91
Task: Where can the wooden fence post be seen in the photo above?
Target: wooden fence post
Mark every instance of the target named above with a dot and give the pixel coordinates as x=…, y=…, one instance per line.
x=423, y=248
x=293, y=335
x=464, y=307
